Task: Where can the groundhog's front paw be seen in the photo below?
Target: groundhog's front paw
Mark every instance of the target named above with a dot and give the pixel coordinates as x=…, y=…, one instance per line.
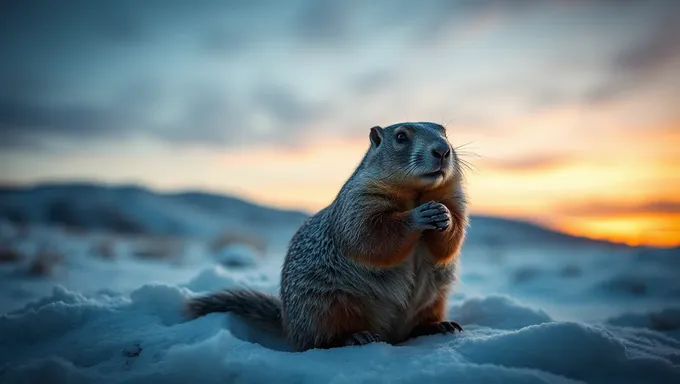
x=431, y=215
x=436, y=328
x=362, y=338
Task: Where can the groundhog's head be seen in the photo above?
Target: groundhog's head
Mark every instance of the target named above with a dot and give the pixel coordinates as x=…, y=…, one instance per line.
x=417, y=154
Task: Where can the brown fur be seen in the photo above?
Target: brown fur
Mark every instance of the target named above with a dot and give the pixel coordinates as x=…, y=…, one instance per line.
x=445, y=245
x=434, y=313
x=345, y=317
x=387, y=242
x=386, y=239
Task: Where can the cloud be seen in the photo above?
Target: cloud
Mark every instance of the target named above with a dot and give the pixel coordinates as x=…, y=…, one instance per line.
x=119, y=25
x=641, y=61
x=206, y=115
x=637, y=64
x=25, y=122
x=60, y=22
x=659, y=47
x=65, y=64
x=373, y=81
x=130, y=113
x=222, y=41
x=340, y=22
x=284, y=105
x=324, y=21
x=526, y=164
x=22, y=122
x=602, y=208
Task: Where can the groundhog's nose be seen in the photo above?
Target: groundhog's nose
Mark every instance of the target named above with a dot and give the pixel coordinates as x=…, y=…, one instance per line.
x=441, y=151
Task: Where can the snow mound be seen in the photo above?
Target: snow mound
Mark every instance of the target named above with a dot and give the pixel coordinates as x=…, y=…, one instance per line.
x=667, y=319
x=62, y=312
x=238, y=255
x=500, y=312
x=160, y=300
x=217, y=277
x=577, y=351
x=69, y=337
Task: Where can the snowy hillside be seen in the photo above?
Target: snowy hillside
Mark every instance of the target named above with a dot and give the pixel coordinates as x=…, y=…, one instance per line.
x=136, y=210
x=98, y=307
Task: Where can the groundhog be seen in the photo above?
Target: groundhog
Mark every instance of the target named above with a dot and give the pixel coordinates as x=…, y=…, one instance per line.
x=378, y=262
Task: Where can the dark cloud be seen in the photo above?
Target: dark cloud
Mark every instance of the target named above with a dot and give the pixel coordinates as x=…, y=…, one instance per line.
x=648, y=52
x=205, y=118
x=205, y=115
x=641, y=61
x=212, y=117
x=30, y=122
x=25, y=86
x=17, y=119
x=338, y=22
x=325, y=21
x=527, y=164
x=67, y=22
x=430, y=19
x=603, y=208
x=285, y=106
x=141, y=95
x=130, y=113
x=121, y=26
x=661, y=45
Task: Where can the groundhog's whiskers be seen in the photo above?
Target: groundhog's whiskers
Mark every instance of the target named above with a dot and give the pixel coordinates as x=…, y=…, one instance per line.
x=463, y=145
x=411, y=167
x=467, y=165
x=467, y=153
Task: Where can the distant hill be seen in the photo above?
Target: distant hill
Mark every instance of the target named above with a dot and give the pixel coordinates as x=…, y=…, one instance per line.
x=137, y=210
x=498, y=231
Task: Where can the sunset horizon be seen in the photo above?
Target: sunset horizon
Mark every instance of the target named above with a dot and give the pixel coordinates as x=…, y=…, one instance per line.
x=620, y=227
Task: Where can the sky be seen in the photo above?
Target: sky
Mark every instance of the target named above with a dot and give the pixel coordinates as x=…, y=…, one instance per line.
x=567, y=110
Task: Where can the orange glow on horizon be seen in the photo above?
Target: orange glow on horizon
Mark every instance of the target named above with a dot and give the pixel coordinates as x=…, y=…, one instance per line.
x=654, y=230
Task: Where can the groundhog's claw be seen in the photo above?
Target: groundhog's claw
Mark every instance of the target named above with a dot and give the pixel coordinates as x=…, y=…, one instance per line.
x=436, y=329
x=362, y=338
x=451, y=326
x=432, y=215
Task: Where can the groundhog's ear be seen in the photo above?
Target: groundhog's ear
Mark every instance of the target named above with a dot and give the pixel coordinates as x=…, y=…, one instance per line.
x=376, y=135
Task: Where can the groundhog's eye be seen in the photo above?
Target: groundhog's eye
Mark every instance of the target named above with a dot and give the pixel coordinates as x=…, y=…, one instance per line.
x=401, y=137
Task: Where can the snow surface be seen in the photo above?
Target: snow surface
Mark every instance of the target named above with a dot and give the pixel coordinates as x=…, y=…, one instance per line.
x=583, y=312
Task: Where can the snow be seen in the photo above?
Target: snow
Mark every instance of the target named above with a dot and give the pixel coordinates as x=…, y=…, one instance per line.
x=237, y=255
x=558, y=312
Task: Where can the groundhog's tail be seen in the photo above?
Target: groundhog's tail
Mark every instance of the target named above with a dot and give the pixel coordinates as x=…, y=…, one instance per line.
x=258, y=307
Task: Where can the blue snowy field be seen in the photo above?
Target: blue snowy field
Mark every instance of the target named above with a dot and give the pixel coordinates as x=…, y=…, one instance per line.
x=536, y=306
